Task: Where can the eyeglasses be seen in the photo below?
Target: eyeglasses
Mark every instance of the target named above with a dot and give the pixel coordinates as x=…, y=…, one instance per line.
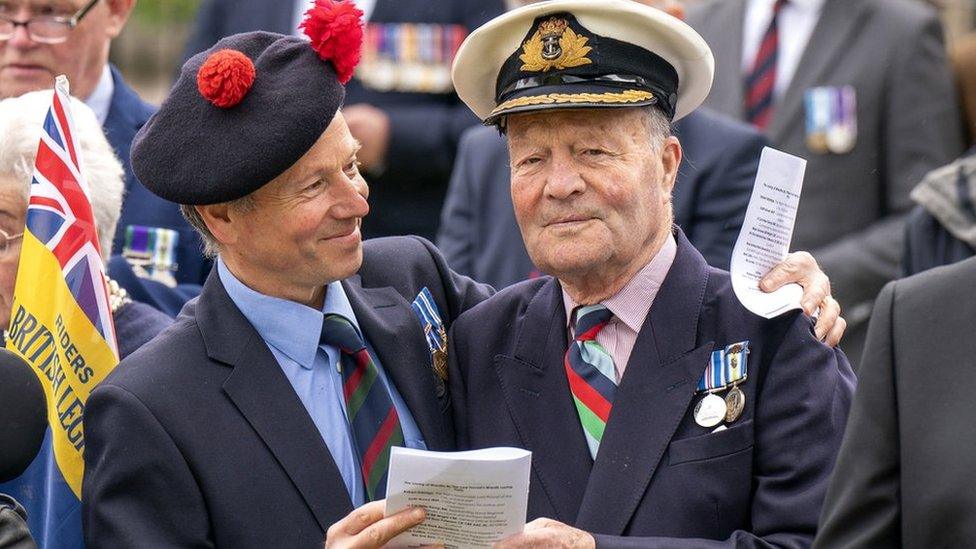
x=45, y=29
x=6, y=240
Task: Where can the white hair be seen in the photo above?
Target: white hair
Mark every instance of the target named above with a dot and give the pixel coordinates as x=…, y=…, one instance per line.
x=21, y=124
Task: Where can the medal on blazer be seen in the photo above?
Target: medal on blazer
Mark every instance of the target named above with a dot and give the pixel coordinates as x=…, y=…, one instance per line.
x=831, y=119
x=727, y=367
x=409, y=57
x=434, y=332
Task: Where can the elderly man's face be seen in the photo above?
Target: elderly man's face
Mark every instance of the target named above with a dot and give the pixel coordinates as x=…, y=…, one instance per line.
x=13, y=210
x=591, y=190
x=26, y=65
x=303, y=231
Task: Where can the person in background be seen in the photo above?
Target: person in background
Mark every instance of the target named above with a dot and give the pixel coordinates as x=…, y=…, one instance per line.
x=400, y=105
x=942, y=227
x=859, y=88
x=904, y=475
x=40, y=39
x=479, y=235
x=53, y=510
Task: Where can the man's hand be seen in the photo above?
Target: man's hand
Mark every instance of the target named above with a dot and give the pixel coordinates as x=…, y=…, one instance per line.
x=371, y=127
x=545, y=533
x=802, y=268
x=365, y=527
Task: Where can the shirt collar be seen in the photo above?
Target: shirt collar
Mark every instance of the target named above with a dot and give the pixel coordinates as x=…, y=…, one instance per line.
x=292, y=328
x=100, y=99
x=632, y=303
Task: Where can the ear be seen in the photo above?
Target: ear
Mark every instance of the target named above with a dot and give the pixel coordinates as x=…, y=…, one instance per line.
x=671, y=155
x=220, y=220
x=119, y=11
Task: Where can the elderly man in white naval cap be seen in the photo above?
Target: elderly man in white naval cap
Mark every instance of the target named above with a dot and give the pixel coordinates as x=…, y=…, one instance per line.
x=660, y=412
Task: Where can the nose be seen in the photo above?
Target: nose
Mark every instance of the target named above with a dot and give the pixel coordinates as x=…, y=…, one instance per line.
x=21, y=38
x=564, y=179
x=353, y=202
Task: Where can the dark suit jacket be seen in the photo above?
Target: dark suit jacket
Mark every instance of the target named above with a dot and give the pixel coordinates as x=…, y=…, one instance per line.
x=198, y=439
x=853, y=209
x=126, y=116
x=660, y=480
x=904, y=476
x=480, y=237
x=424, y=127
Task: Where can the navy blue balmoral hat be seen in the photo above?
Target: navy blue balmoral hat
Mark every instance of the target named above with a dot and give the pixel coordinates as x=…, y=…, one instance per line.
x=244, y=111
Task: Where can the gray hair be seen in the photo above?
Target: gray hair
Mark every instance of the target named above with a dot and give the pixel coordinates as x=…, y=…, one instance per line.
x=21, y=125
x=211, y=248
x=658, y=126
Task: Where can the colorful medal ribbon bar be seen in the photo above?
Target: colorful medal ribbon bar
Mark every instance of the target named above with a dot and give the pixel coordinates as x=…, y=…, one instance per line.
x=728, y=366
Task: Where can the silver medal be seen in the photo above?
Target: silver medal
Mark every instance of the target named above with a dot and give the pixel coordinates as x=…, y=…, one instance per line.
x=710, y=411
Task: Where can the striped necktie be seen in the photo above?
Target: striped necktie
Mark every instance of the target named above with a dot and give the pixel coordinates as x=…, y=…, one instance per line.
x=591, y=373
x=369, y=408
x=761, y=82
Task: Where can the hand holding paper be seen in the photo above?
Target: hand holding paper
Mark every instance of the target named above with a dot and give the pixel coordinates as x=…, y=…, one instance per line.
x=764, y=239
x=472, y=499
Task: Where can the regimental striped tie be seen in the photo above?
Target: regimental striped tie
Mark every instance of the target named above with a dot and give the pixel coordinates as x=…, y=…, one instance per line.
x=591, y=373
x=369, y=408
x=761, y=82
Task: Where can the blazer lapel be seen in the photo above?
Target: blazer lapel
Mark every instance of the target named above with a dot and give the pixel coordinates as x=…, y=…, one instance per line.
x=266, y=399
x=539, y=400
x=830, y=40
x=393, y=330
x=653, y=397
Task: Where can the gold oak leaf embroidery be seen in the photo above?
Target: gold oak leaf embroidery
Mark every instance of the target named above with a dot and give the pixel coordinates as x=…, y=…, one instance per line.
x=574, y=51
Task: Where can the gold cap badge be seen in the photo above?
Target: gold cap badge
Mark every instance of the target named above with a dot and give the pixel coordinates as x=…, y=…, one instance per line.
x=554, y=45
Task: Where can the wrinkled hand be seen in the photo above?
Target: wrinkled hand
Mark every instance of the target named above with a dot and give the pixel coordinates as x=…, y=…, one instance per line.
x=802, y=268
x=371, y=126
x=365, y=527
x=545, y=533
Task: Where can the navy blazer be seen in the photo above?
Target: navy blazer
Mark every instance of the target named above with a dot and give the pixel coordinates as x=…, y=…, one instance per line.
x=199, y=440
x=480, y=237
x=424, y=127
x=127, y=114
x=660, y=480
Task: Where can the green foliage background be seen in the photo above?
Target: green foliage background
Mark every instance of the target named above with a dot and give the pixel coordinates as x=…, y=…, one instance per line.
x=161, y=13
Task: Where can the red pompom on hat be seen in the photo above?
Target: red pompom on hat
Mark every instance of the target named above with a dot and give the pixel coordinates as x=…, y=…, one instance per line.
x=225, y=78
x=336, y=30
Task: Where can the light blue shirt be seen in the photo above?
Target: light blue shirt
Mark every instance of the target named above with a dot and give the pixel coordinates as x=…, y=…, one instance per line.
x=291, y=330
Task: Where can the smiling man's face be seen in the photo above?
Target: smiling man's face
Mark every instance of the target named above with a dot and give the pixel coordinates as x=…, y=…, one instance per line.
x=591, y=189
x=26, y=65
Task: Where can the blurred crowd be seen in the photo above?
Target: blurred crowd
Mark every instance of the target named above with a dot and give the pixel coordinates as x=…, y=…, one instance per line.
x=867, y=91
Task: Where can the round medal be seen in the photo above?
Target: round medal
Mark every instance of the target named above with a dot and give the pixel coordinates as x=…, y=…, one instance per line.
x=710, y=411
x=735, y=401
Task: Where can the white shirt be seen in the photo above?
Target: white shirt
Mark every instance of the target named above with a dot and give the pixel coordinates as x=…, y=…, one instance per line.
x=100, y=99
x=796, y=22
x=302, y=6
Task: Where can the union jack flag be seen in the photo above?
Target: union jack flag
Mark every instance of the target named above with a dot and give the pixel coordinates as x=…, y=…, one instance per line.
x=59, y=214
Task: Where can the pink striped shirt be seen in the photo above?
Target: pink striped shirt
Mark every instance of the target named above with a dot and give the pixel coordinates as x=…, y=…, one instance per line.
x=630, y=307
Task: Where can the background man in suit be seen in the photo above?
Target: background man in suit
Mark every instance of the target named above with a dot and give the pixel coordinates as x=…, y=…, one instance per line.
x=480, y=238
x=400, y=106
x=38, y=41
x=861, y=89
x=624, y=452
x=245, y=395
x=904, y=476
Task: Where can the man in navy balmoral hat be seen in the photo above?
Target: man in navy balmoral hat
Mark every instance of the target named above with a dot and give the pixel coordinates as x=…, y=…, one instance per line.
x=268, y=411
x=660, y=413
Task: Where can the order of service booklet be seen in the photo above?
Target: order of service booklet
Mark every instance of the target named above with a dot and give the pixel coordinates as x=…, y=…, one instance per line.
x=473, y=499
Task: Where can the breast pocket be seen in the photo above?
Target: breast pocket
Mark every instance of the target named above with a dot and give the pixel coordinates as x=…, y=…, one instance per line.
x=713, y=445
